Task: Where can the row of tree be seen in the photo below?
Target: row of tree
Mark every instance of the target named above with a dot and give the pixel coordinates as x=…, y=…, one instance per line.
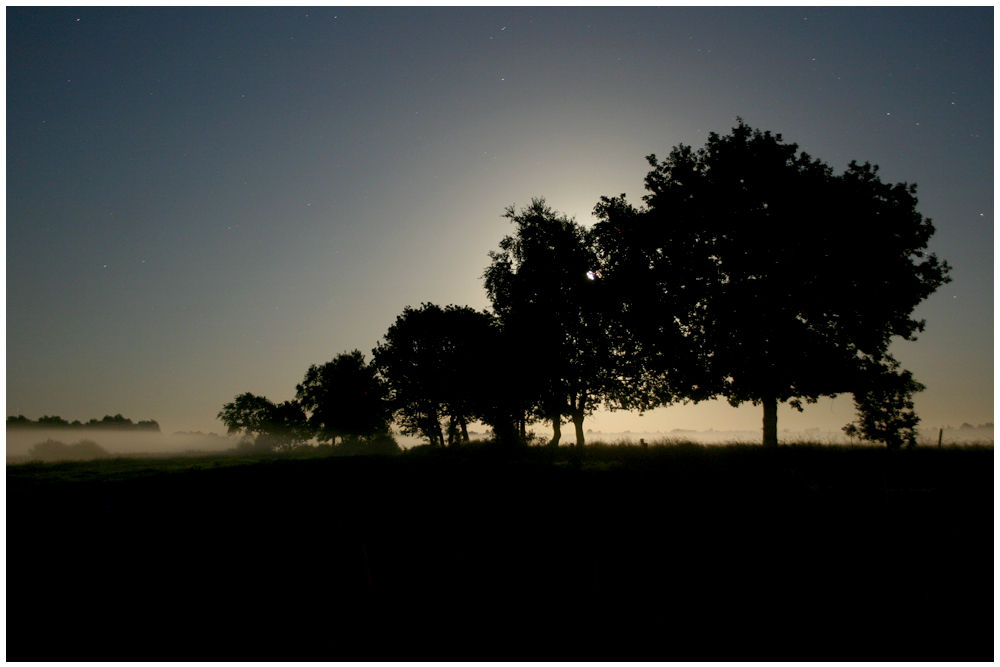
x=116, y=423
x=749, y=272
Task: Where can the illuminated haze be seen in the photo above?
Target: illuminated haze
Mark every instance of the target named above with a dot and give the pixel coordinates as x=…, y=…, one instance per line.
x=204, y=202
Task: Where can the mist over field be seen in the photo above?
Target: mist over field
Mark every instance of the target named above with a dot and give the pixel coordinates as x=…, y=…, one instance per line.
x=968, y=433
x=20, y=442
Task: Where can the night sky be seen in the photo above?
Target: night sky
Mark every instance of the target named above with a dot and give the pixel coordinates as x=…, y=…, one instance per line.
x=204, y=202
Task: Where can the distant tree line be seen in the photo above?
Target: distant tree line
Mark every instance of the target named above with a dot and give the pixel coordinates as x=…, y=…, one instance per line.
x=108, y=423
x=750, y=272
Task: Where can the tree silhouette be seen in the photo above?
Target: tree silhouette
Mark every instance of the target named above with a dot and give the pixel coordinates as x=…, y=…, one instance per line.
x=548, y=297
x=113, y=423
x=345, y=399
x=655, y=278
x=504, y=399
x=468, y=337
x=426, y=360
x=53, y=422
x=266, y=426
x=885, y=407
x=118, y=422
x=54, y=450
x=790, y=281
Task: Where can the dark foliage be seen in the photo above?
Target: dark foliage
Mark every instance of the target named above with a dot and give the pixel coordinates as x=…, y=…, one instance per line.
x=427, y=359
x=381, y=444
x=781, y=281
x=108, y=423
x=345, y=399
x=53, y=450
x=549, y=297
x=265, y=426
x=885, y=408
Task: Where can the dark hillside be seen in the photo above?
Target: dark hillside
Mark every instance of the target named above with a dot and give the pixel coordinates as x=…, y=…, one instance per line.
x=675, y=553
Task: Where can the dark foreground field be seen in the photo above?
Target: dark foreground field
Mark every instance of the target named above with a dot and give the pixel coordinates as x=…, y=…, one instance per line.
x=675, y=553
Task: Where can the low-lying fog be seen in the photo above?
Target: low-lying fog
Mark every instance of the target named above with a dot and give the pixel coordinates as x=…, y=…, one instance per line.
x=965, y=434
x=20, y=441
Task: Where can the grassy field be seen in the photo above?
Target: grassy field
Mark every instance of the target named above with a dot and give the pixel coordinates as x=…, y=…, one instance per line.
x=674, y=552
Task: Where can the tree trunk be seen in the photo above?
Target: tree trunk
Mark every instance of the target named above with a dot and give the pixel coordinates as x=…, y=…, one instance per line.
x=770, y=421
x=556, y=431
x=505, y=431
x=578, y=423
x=465, y=428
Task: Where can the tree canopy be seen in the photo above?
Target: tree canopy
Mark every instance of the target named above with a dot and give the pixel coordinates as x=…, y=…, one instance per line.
x=788, y=281
x=427, y=358
x=265, y=425
x=115, y=423
x=549, y=298
x=885, y=407
x=345, y=398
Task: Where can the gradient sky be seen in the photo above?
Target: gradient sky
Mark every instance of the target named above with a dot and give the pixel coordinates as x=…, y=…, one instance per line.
x=204, y=202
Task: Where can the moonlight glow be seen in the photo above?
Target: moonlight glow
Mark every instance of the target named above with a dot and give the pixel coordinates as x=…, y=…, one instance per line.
x=206, y=201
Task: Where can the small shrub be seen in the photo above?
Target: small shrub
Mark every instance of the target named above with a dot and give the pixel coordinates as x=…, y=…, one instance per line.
x=383, y=444
x=54, y=450
x=86, y=450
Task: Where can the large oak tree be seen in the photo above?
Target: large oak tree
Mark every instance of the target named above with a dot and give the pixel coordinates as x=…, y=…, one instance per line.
x=784, y=281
